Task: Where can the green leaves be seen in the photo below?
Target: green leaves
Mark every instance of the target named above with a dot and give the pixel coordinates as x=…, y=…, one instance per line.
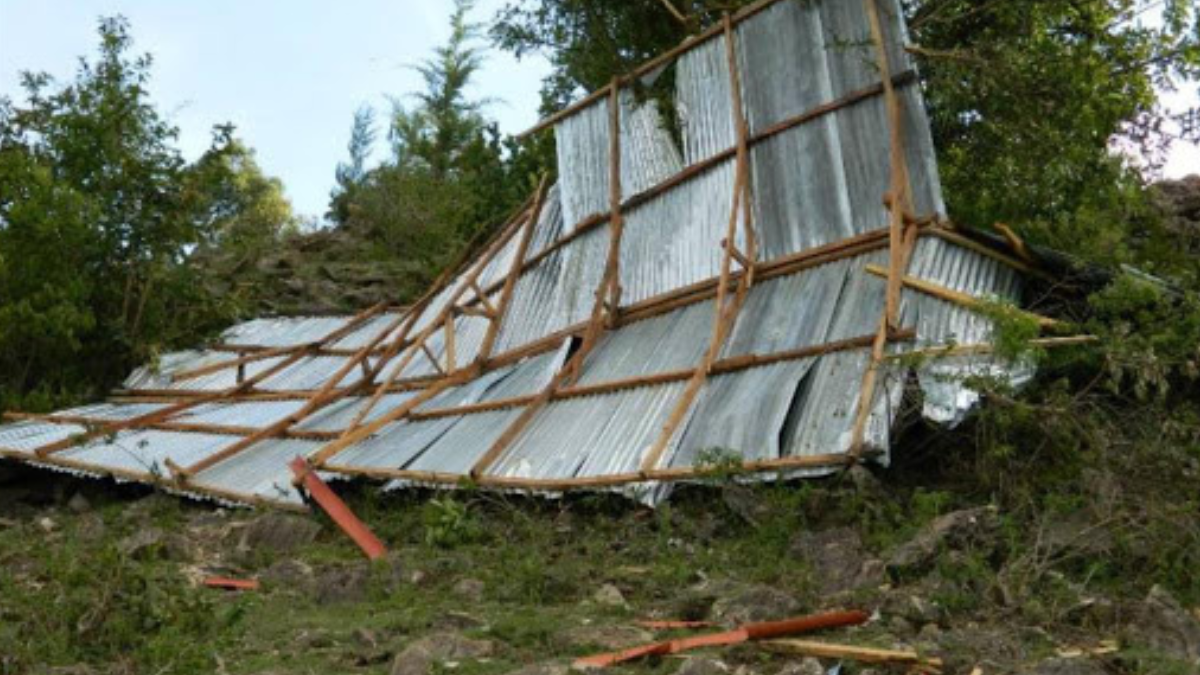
x=100, y=218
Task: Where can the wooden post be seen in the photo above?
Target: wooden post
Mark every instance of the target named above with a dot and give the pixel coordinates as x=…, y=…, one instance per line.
x=725, y=311
x=596, y=324
x=514, y=272
x=900, y=241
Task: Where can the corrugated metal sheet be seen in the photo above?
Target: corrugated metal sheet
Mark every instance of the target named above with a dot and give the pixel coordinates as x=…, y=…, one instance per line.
x=550, y=224
x=338, y=416
x=947, y=399
x=590, y=436
x=814, y=184
x=583, y=158
x=263, y=473
x=146, y=451
x=25, y=437
x=283, y=331
x=672, y=341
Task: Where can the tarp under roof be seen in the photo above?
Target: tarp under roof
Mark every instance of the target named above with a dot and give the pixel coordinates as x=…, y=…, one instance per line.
x=727, y=300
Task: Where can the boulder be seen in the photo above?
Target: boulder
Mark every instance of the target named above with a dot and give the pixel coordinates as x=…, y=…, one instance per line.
x=1161, y=623
x=703, y=665
x=546, y=668
x=278, y=533
x=805, y=666
x=605, y=636
x=419, y=657
x=609, y=595
x=838, y=560
x=959, y=530
x=756, y=603
x=469, y=589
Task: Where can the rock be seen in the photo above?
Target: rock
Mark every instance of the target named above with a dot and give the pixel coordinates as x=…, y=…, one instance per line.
x=1076, y=666
x=969, y=528
x=343, y=583
x=151, y=542
x=471, y=589
x=610, y=596
x=290, y=574
x=1077, y=534
x=419, y=657
x=746, y=503
x=460, y=621
x=142, y=544
x=805, y=666
x=1161, y=623
x=838, y=560
x=756, y=603
x=47, y=524
x=702, y=665
x=78, y=503
x=547, y=668
x=606, y=636
x=365, y=638
x=278, y=533
x=864, y=481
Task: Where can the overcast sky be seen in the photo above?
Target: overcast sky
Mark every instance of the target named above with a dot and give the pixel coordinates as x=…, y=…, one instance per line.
x=290, y=73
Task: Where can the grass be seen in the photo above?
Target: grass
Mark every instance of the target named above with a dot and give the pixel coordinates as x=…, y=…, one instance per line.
x=77, y=595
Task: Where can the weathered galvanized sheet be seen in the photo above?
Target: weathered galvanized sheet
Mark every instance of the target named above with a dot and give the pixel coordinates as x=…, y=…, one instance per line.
x=816, y=183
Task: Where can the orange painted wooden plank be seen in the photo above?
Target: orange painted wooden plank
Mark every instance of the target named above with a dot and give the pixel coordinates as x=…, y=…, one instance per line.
x=337, y=510
x=750, y=631
x=232, y=584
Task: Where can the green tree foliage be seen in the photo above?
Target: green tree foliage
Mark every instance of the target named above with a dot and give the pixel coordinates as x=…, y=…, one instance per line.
x=1027, y=97
x=449, y=173
x=350, y=175
x=99, y=216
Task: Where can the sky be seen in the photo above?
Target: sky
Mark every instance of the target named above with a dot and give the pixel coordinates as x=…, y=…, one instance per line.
x=288, y=73
x=291, y=73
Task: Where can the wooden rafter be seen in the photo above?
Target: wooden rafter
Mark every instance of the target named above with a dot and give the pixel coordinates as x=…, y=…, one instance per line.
x=170, y=411
x=901, y=241
x=726, y=311
x=497, y=313
x=597, y=321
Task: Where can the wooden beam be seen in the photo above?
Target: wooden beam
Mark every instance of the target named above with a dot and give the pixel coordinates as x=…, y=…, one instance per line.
x=783, y=464
x=174, y=409
x=647, y=67
x=726, y=312
x=323, y=397
x=950, y=350
x=510, y=280
x=827, y=650
x=958, y=297
x=700, y=168
x=596, y=324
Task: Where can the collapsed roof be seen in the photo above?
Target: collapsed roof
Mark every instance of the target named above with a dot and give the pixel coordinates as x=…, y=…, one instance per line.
x=733, y=286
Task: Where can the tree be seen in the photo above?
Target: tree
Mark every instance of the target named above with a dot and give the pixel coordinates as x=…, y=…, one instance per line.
x=1027, y=97
x=350, y=176
x=100, y=217
x=449, y=174
x=435, y=134
x=238, y=208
